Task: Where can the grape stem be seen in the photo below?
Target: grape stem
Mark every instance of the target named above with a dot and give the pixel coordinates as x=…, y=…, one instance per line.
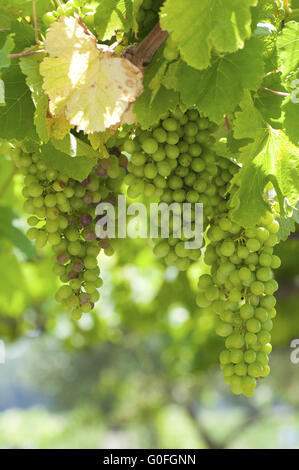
x=35, y=22
x=144, y=52
x=59, y=4
x=280, y=93
x=25, y=53
x=272, y=71
x=227, y=124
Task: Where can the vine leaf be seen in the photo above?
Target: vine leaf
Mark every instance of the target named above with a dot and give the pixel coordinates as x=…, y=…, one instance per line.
x=24, y=7
x=5, y=50
x=149, y=111
x=220, y=24
x=291, y=120
x=74, y=147
x=217, y=90
x=271, y=157
x=16, y=118
x=30, y=68
x=78, y=168
x=288, y=48
x=115, y=15
x=86, y=82
x=13, y=234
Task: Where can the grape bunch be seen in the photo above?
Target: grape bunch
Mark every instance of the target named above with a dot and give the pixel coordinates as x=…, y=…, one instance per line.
x=240, y=291
x=70, y=8
x=148, y=16
x=170, y=51
x=173, y=162
x=62, y=213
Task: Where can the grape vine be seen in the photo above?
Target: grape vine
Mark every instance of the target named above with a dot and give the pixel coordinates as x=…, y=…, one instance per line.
x=163, y=101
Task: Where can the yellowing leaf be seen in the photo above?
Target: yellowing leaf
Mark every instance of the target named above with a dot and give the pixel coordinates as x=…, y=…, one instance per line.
x=98, y=141
x=87, y=82
x=58, y=127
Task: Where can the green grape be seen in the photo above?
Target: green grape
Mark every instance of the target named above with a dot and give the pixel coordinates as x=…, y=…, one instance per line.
x=264, y=337
x=276, y=262
x=240, y=369
x=227, y=248
x=255, y=369
x=250, y=339
x=244, y=274
x=236, y=355
x=265, y=260
x=261, y=314
x=170, y=124
x=150, y=146
x=246, y=311
x=264, y=274
x=250, y=356
x=63, y=293
x=268, y=302
x=201, y=299
x=253, y=325
x=257, y=288
x=160, y=135
x=48, y=18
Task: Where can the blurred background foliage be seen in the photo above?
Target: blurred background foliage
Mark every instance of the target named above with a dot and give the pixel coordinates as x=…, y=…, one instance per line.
x=141, y=370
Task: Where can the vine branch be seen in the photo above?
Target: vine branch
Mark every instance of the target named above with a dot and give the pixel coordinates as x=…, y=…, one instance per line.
x=279, y=93
x=143, y=53
x=59, y=4
x=227, y=124
x=25, y=53
x=35, y=22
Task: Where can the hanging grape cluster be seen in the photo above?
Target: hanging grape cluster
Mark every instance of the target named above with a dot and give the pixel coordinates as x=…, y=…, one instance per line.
x=63, y=215
x=173, y=162
x=240, y=291
x=71, y=7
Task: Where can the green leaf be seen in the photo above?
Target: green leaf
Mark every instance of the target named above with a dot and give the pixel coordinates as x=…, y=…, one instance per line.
x=34, y=80
x=5, y=50
x=269, y=104
x=200, y=26
x=149, y=111
x=23, y=34
x=16, y=118
x=288, y=48
x=74, y=147
x=249, y=122
x=271, y=157
x=24, y=7
x=217, y=90
x=286, y=227
x=77, y=167
x=13, y=293
x=291, y=120
x=114, y=15
x=13, y=234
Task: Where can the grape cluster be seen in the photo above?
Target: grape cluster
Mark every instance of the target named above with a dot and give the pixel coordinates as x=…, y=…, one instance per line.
x=240, y=291
x=173, y=162
x=70, y=8
x=170, y=51
x=148, y=16
x=63, y=215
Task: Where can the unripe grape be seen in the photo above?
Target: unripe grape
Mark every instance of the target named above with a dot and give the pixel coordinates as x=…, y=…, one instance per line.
x=255, y=369
x=253, y=325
